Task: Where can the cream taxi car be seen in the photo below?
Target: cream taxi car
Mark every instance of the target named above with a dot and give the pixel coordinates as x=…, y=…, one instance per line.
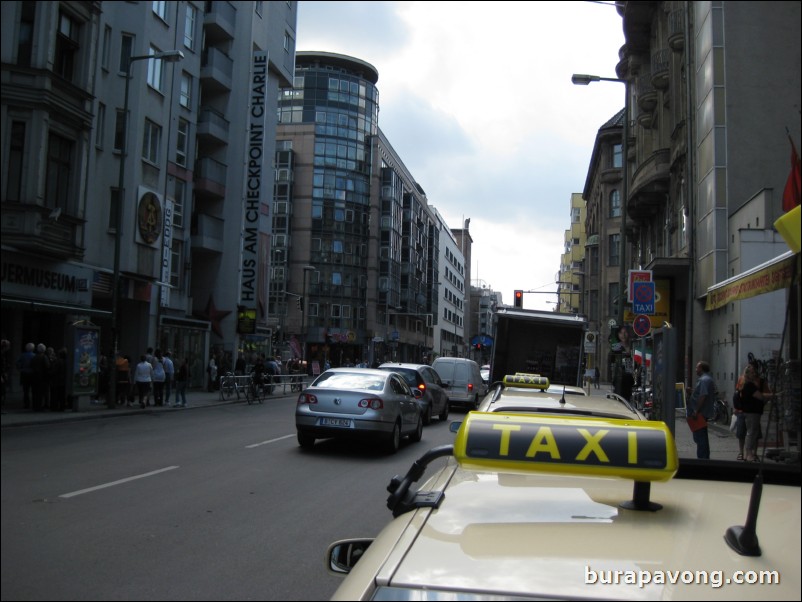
x=537, y=505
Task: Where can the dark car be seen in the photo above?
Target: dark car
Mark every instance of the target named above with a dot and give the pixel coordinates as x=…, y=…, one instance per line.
x=425, y=379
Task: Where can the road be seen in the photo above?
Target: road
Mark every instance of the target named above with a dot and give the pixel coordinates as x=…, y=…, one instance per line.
x=217, y=504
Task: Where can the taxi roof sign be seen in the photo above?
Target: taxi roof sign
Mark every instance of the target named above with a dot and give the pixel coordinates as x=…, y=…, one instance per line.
x=642, y=451
x=527, y=381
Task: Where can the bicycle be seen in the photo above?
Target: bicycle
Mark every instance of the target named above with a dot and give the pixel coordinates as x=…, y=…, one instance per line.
x=254, y=392
x=721, y=412
x=296, y=383
x=228, y=386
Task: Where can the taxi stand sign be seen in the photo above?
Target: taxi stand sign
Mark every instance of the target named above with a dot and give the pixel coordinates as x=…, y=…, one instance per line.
x=642, y=451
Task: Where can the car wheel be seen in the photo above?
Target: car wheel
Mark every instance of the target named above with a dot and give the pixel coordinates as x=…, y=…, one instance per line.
x=306, y=440
x=444, y=414
x=427, y=415
x=394, y=441
x=418, y=434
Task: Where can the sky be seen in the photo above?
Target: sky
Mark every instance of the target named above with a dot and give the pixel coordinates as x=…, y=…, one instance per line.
x=476, y=98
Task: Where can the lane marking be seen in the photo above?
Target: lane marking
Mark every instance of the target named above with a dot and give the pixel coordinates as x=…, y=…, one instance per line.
x=268, y=441
x=113, y=483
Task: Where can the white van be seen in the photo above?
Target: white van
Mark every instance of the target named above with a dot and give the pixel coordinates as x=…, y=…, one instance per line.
x=462, y=380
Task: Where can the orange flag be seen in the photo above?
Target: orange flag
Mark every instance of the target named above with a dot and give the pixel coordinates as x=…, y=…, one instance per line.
x=791, y=194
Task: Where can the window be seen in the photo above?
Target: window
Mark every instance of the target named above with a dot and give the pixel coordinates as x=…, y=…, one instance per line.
x=617, y=154
x=189, y=27
x=25, y=34
x=160, y=9
x=155, y=67
x=186, y=90
x=106, y=51
x=615, y=204
x=100, y=124
x=16, y=155
x=114, y=205
x=613, y=249
x=59, y=171
x=575, y=214
x=119, y=127
x=126, y=51
x=182, y=143
x=179, y=196
x=612, y=296
x=176, y=262
x=286, y=42
x=150, y=142
x=66, y=47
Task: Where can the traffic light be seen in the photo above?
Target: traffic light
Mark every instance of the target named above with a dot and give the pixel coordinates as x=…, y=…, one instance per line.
x=519, y=298
x=301, y=303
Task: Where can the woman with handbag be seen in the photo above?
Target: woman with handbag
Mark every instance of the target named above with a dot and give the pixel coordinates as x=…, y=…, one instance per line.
x=753, y=398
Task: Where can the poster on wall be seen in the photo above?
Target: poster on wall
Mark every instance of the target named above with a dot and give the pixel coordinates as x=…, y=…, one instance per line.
x=83, y=366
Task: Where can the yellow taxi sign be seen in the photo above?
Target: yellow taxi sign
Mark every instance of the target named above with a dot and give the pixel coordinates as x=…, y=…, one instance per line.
x=636, y=450
x=526, y=381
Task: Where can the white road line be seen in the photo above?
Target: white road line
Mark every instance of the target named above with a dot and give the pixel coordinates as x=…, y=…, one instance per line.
x=113, y=483
x=268, y=441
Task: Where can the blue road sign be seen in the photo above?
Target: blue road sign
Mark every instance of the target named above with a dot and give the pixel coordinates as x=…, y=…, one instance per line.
x=643, y=298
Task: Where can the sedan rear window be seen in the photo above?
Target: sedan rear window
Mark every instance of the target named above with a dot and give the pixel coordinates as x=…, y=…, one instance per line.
x=336, y=380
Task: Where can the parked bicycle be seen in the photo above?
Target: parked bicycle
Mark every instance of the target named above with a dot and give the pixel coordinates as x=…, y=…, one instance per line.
x=233, y=385
x=721, y=412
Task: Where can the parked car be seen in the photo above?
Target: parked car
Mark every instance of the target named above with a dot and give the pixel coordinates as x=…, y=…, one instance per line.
x=462, y=379
x=434, y=401
x=359, y=402
x=484, y=372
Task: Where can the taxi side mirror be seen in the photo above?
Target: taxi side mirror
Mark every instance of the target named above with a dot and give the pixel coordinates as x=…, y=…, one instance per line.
x=342, y=556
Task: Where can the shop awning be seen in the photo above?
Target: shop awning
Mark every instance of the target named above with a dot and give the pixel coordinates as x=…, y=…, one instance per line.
x=772, y=275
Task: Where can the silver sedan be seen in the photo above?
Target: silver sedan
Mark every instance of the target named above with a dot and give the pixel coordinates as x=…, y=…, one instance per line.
x=359, y=402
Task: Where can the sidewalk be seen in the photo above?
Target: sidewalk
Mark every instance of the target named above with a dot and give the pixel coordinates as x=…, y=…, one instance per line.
x=15, y=415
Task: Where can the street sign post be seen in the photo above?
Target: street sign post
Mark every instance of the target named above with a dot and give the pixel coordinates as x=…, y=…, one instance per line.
x=643, y=298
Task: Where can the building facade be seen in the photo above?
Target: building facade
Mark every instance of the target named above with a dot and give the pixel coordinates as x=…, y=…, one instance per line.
x=191, y=186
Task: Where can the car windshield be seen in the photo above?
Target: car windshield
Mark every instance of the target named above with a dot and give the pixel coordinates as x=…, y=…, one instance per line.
x=349, y=380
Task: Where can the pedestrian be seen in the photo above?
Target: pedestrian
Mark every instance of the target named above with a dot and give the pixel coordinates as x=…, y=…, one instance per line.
x=40, y=374
x=5, y=345
x=25, y=373
x=752, y=401
x=181, y=381
x=143, y=377
x=169, y=376
x=596, y=376
x=701, y=404
x=239, y=366
x=123, y=375
x=58, y=383
x=211, y=373
x=159, y=377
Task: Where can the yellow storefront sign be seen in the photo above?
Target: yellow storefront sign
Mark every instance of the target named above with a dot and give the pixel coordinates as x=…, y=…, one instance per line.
x=770, y=276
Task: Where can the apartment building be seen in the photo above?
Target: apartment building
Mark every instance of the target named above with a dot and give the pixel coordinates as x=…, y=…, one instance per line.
x=187, y=173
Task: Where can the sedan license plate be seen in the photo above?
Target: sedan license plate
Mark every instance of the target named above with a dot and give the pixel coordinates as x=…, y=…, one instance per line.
x=341, y=422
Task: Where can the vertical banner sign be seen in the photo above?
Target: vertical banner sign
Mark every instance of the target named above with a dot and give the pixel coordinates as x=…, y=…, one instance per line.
x=257, y=182
x=83, y=367
x=167, y=252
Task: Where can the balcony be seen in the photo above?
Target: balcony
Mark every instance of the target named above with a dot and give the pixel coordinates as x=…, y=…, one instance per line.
x=210, y=178
x=216, y=71
x=218, y=22
x=676, y=30
x=650, y=185
x=213, y=126
x=36, y=229
x=207, y=234
x=661, y=62
x=647, y=95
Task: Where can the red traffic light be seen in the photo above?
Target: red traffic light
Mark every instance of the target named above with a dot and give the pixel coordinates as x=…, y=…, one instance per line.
x=519, y=298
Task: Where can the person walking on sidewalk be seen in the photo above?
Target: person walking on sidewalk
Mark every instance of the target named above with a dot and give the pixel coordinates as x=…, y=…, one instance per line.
x=181, y=381
x=143, y=377
x=753, y=398
x=158, y=378
x=701, y=402
x=25, y=373
x=169, y=377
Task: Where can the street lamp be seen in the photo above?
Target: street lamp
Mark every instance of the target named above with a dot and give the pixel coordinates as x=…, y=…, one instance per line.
x=308, y=269
x=582, y=79
x=170, y=56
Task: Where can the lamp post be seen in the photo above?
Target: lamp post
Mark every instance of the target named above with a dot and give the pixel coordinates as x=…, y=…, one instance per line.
x=581, y=79
x=308, y=269
x=170, y=56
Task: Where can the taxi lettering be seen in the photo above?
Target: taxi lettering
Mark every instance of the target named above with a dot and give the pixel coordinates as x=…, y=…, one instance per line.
x=544, y=441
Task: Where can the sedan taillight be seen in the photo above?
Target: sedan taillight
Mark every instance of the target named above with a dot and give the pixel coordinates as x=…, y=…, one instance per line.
x=306, y=398
x=422, y=387
x=470, y=387
x=373, y=403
